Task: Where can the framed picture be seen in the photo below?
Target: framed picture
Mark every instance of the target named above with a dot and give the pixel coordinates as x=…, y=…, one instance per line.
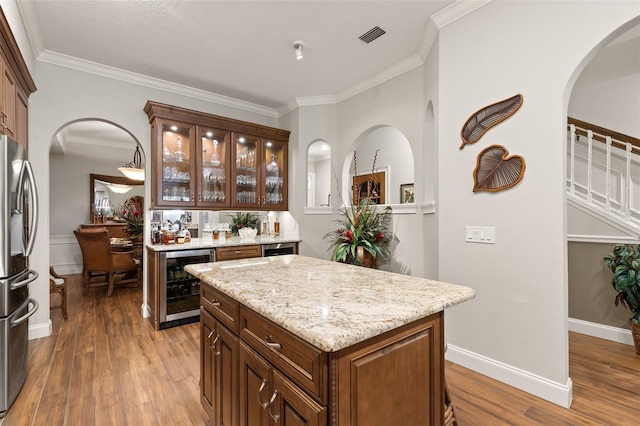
x=406, y=193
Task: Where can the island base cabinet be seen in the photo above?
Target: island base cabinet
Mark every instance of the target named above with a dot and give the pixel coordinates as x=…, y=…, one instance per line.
x=398, y=379
x=218, y=367
x=269, y=398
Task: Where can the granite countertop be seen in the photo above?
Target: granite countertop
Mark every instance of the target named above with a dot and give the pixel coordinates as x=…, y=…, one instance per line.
x=200, y=243
x=330, y=305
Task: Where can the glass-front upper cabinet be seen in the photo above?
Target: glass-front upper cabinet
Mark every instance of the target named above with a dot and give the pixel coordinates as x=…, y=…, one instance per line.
x=174, y=186
x=213, y=167
x=274, y=157
x=246, y=171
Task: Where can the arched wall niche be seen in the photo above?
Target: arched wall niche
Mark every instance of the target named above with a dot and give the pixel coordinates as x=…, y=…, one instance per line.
x=319, y=174
x=394, y=163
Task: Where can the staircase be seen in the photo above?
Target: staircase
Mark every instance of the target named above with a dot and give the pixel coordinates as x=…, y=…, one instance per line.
x=603, y=175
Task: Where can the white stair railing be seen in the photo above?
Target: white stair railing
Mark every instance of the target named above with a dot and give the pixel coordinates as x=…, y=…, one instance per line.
x=602, y=170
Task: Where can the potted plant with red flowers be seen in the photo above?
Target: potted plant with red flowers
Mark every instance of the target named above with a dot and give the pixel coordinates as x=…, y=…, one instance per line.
x=132, y=217
x=364, y=233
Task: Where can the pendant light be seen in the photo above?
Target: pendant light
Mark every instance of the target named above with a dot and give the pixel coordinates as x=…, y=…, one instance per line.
x=134, y=170
x=118, y=188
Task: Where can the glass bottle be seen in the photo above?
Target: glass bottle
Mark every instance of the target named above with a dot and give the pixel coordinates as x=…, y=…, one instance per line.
x=215, y=158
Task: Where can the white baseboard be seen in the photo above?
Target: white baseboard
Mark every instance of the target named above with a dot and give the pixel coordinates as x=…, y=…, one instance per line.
x=37, y=331
x=144, y=311
x=68, y=268
x=560, y=394
x=614, y=334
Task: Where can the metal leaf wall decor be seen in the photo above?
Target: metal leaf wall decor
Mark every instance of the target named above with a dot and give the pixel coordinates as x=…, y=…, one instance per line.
x=487, y=117
x=496, y=170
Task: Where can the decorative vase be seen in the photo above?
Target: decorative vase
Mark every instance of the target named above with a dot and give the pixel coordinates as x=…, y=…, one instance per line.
x=365, y=258
x=635, y=332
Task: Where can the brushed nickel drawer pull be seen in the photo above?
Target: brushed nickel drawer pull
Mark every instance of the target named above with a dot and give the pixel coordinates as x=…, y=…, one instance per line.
x=214, y=343
x=215, y=302
x=273, y=345
x=239, y=251
x=210, y=334
x=264, y=405
x=275, y=417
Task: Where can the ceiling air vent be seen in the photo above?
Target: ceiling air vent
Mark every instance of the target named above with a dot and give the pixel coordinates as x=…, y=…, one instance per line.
x=372, y=34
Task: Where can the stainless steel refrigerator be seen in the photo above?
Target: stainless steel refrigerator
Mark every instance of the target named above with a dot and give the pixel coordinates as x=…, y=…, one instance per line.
x=18, y=225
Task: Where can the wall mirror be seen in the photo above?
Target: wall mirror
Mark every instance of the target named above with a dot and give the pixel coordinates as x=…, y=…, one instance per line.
x=393, y=169
x=107, y=192
x=319, y=174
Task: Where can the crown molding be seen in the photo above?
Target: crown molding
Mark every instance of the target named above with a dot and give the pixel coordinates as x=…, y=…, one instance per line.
x=306, y=101
x=29, y=18
x=456, y=11
x=154, y=83
x=393, y=71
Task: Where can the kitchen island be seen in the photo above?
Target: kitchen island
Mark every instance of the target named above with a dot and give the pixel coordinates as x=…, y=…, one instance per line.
x=297, y=340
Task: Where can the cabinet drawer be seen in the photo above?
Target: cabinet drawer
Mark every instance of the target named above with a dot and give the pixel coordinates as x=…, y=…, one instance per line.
x=241, y=252
x=220, y=306
x=302, y=362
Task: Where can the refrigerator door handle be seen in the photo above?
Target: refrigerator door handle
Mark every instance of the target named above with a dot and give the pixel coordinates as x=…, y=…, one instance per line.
x=26, y=316
x=33, y=226
x=33, y=275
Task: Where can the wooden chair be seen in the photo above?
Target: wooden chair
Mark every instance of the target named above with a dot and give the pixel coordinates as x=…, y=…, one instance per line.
x=102, y=266
x=58, y=284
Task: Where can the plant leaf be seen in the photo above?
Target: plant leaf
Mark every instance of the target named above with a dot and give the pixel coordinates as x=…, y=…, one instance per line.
x=485, y=118
x=496, y=171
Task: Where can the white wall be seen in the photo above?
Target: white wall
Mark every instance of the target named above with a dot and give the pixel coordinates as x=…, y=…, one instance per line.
x=607, y=93
x=516, y=327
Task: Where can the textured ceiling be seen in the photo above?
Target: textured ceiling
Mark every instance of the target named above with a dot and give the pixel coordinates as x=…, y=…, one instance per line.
x=240, y=49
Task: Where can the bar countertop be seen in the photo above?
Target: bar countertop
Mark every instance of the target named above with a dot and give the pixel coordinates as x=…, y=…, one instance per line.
x=328, y=304
x=203, y=243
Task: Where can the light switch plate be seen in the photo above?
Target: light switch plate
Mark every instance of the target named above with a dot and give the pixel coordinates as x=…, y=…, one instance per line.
x=480, y=234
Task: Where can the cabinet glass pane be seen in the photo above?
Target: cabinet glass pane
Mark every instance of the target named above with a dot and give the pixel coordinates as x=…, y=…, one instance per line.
x=213, y=174
x=176, y=164
x=273, y=179
x=246, y=175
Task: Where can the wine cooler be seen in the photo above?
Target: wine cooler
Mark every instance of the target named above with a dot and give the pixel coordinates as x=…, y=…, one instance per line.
x=179, y=290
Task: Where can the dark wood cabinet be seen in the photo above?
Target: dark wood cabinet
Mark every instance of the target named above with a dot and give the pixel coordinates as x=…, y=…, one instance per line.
x=219, y=372
x=394, y=378
x=207, y=361
x=204, y=161
x=16, y=85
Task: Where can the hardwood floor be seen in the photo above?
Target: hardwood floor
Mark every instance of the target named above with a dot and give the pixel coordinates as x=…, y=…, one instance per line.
x=106, y=365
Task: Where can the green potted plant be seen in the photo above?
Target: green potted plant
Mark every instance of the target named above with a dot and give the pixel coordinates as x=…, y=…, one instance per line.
x=624, y=262
x=242, y=220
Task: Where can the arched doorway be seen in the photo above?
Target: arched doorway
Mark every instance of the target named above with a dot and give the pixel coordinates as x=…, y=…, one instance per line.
x=79, y=149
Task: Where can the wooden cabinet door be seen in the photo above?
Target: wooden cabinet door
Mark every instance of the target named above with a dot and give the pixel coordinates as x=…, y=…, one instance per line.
x=213, y=167
x=207, y=362
x=246, y=171
x=226, y=352
x=396, y=379
x=173, y=180
x=292, y=406
x=8, y=101
x=254, y=378
x=273, y=186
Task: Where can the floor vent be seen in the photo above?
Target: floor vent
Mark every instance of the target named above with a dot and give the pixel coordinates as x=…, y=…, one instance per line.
x=372, y=34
